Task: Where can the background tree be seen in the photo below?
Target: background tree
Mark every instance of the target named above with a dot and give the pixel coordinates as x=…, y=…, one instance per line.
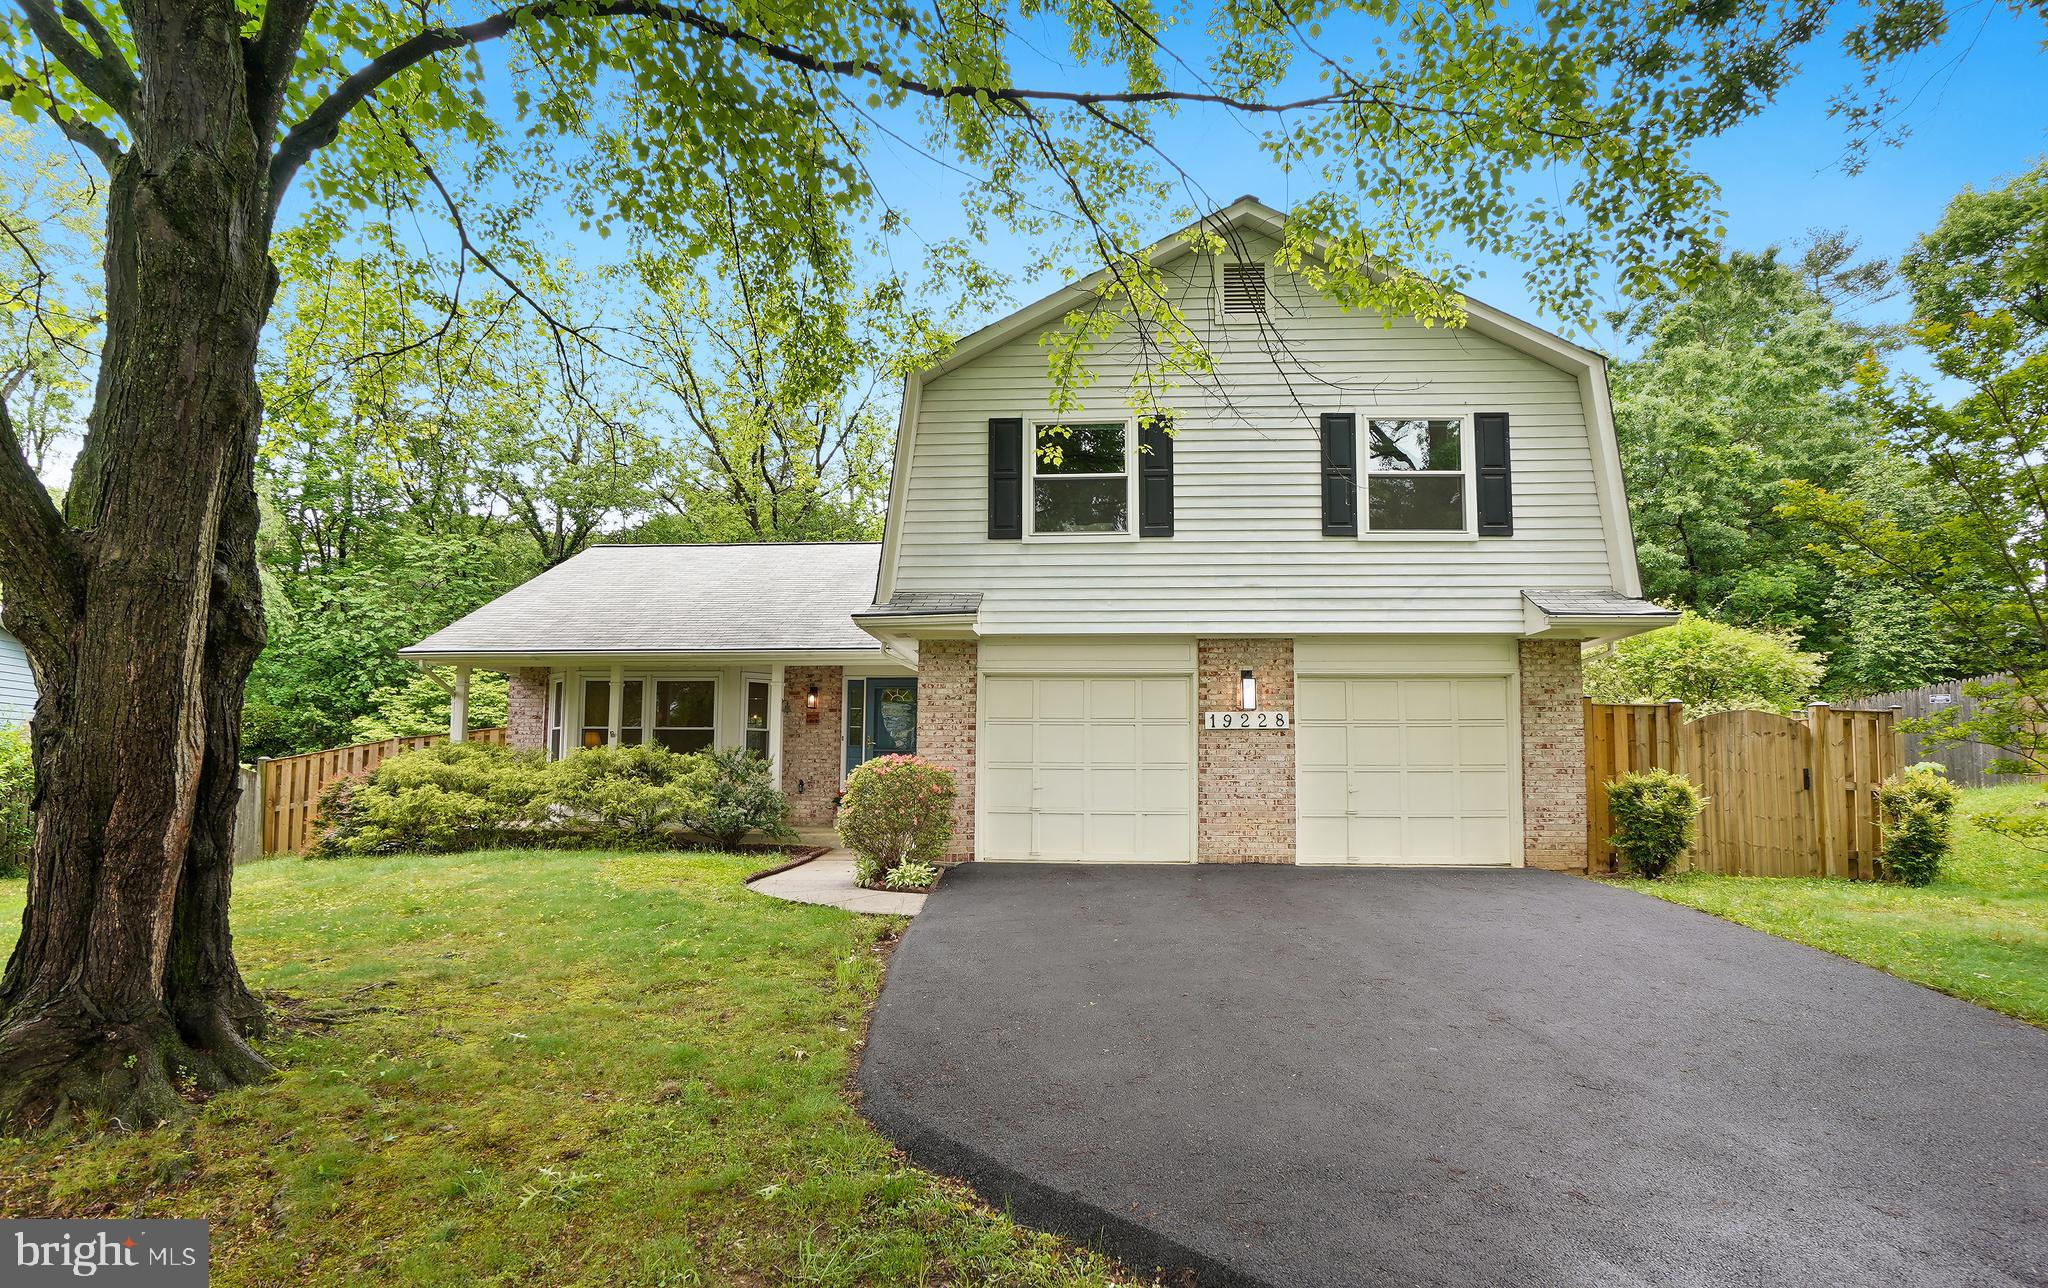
x=1709, y=667
x=1979, y=568
x=654, y=116
x=49, y=238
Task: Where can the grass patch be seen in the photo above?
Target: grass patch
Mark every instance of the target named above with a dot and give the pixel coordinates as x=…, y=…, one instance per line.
x=545, y=1068
x=1979, y=933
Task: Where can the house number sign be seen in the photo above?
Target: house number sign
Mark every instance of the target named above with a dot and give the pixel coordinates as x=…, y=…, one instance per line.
x=1246, y=719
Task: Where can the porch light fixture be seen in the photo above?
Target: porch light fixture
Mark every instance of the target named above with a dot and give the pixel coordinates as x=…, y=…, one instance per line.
x=811, y=699
x=1247, y=691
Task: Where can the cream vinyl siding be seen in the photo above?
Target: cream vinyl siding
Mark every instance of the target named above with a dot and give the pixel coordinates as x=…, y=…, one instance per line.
x=1248, y=555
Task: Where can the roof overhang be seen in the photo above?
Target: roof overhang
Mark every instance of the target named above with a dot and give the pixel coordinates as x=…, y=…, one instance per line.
x=1620, y=622
x=702, y=658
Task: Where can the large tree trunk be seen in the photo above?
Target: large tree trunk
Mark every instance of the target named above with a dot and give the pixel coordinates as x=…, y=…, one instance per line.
x=122, y=992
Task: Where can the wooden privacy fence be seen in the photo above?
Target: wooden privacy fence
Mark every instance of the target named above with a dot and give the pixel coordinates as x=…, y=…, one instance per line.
x=289, y=787
x=1785, y=798
x=1968, y=763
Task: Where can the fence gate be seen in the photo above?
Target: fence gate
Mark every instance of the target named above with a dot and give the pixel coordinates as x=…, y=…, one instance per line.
x=1785, y=798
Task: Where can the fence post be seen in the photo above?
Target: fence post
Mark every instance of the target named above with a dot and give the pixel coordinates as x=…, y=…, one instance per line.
x=1825, y=788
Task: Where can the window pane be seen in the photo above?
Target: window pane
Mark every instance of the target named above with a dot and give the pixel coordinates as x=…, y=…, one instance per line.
x=1081, y=448
x=1420, y=503
x=684, y=740
x=757, y=742
x=1414, y=444
x=631, y=714
x=856, y=723
x=1080, y=505
x=757, y=707
x=683, y=703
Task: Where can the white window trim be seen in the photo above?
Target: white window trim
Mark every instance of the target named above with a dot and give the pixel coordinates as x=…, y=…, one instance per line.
x=1032, y=424
x=1366, y=532
x=1226, y=318
x=575, y=681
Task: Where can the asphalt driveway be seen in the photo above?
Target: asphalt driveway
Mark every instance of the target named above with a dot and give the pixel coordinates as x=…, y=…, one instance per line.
x=1321, y=1077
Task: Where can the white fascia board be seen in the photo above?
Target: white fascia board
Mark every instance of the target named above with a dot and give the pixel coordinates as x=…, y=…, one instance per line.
x=643, y=658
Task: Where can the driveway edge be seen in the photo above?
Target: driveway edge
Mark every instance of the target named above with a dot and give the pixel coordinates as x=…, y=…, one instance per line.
x=1043, y=1207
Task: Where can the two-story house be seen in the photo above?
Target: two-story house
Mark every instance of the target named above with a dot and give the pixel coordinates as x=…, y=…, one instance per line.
x=1333, y=616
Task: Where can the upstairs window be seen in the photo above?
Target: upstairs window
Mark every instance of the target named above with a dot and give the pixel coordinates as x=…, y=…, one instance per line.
x=1081, y=478
x=1415, y=475
x=1244, y=292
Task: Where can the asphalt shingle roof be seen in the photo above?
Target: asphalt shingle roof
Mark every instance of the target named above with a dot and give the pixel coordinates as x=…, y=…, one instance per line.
x=926, y=603
x=678, y=599
x=1594, y=603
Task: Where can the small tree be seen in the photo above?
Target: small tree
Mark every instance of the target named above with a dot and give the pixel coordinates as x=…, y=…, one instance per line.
x=1709, y=666
x=1655, y=820
x=1916, y=813
x=897, y=810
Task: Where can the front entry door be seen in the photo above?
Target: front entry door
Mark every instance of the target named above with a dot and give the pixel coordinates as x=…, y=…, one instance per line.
x=881, y=718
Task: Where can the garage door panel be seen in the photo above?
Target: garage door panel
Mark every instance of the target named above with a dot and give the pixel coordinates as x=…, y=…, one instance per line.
x=1482, y=744
x=1007, y=699
x=1088, y=767
x=1111, y=744
x=1429, y=744
x=1405, y=770
x=1162, y=699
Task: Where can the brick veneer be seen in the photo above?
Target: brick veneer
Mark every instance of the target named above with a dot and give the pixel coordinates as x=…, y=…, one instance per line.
x=945, y=726
x=1244, y=778
x=811, y=755
x=1553, y=756
x=526, y=707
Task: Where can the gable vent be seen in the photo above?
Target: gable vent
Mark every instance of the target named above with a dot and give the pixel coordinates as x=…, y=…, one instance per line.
x=1244, y=290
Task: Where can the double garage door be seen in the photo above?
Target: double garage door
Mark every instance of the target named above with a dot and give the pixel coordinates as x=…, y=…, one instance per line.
x=1102, y=768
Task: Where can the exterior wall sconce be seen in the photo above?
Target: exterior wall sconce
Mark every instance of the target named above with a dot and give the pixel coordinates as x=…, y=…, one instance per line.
x=1247, y=691
x=811, y=699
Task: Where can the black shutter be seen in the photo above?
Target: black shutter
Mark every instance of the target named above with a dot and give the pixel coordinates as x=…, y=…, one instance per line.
x=1005, y=479
x=1155, y=479
x=1340, y=474
x=1496, y=490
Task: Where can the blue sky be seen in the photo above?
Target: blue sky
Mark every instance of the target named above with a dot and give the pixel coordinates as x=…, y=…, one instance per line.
x=1977, y=110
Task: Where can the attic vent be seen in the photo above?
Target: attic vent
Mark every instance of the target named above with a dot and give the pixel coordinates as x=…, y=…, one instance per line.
x=1244, y=290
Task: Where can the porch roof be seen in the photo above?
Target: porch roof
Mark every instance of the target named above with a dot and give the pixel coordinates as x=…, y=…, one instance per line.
x=763, y=598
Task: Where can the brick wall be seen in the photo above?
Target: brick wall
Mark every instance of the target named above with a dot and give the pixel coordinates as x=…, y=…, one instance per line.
x=526, y=716
x=945, y=725
x=1244, y=779
x=1553, y=756
x=811, y=753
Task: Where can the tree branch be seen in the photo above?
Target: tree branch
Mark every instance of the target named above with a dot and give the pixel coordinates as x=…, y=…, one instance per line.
x=106, y=75
x=37, y=550
x=82, y=132
x=268, y=58
x=319, y=126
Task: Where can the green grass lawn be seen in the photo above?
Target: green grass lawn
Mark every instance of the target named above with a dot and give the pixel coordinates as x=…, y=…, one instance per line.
x=1980, y=932
x=545, y=1069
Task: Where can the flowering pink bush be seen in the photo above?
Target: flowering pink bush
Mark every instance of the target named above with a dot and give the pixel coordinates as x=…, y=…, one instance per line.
x=896, y=810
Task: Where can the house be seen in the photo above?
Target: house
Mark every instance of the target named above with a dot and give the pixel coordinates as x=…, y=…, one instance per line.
x=17, y=681
x=1333, y=616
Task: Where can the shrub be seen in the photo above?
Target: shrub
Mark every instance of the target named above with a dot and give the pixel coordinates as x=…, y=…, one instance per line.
x=1655, y=815
x=435, y=800
x=1708, y=666
x=913, y=874
x=17, y=794
x=1916, y=814
x=897, y=809
x=742, y=798
x=623, y=795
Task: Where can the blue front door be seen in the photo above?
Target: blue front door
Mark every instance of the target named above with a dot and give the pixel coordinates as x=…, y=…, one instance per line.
x=881, y=718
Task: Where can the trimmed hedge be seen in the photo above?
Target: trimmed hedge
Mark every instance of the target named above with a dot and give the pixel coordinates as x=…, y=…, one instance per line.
x=1916, y=816
x=1655, y=817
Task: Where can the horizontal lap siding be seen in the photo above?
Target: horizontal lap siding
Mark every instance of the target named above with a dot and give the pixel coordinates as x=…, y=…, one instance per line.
x=1247, y=499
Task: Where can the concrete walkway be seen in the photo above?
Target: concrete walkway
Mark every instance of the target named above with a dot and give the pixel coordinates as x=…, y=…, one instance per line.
x=1311, y=1077
x=828, y=879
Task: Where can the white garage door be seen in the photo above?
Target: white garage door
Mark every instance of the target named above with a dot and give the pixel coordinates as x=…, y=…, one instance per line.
x=1405, y=771
x=1093, y=768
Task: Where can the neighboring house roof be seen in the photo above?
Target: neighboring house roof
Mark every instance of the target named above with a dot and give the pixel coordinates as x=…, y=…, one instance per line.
x=676, y=599
x=1587, y=365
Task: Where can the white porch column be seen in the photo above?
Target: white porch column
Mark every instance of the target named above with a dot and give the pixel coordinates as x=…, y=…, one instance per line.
x=458, y=707
x=618, y=705
x=776, y=701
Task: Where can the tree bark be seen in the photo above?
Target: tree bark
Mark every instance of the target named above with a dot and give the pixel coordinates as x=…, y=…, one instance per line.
x=122, y=994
